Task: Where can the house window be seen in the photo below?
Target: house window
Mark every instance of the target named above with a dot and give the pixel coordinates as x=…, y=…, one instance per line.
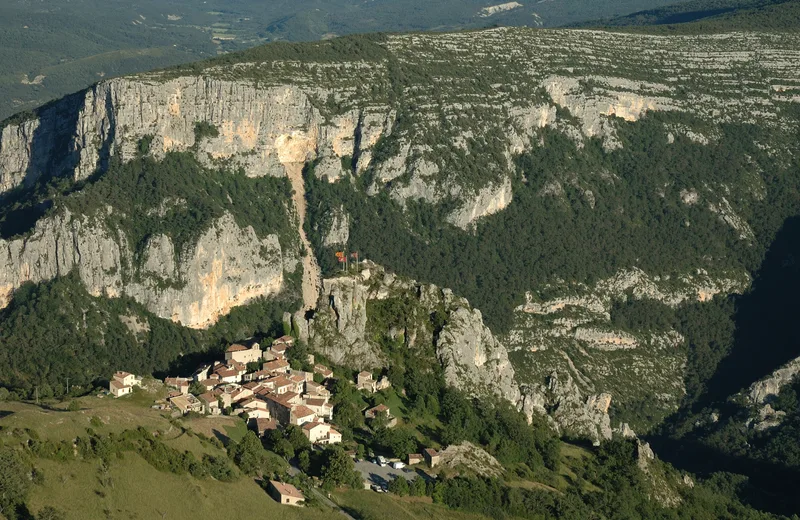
x=287, y=500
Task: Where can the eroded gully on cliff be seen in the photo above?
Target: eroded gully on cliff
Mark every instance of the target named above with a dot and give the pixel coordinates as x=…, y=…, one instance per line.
x=312, y=276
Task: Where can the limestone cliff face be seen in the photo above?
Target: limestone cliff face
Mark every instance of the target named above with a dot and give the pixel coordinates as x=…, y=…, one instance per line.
x=226, y=267
x=761, y=393
x=259, y=129
x=569, y=408
x=472, y=358
x=574, y=362
x=340, y=323
x=438, y=145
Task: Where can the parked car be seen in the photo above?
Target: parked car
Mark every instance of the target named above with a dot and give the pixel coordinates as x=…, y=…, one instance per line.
x=382, y=462
x=398, y=465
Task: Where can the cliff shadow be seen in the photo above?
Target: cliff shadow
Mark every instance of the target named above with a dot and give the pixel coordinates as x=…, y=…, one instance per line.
x=767, y=335
x=52, y=155
x=768, y=486
x=52, y=151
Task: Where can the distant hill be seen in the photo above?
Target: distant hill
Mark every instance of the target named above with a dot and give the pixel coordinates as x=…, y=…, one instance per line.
x=50, y=49
x=699, y=16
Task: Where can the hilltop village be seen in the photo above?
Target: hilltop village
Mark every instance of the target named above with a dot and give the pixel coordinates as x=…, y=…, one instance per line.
x=261, y=387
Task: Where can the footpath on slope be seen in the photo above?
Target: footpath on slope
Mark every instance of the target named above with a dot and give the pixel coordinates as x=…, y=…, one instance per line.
x=312, y=276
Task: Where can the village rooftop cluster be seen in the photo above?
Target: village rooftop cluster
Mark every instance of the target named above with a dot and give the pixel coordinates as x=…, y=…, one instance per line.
x=261, y=386
x=274, y=396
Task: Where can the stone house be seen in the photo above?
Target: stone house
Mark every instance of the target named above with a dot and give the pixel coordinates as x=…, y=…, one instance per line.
x=210, y=403
x=321, y=407
x=179, y=383
x=228, y=375
x=321, y=433
x=279, y=409
x=364, y=381
x=125, y=378
x=122, y=383
x=284, y=340
x=281, y=385
x=381, y=409
x=414, y=458
x=255, y=408
x=285, y=494
x=277, y=367
x=186, y=403
x=117, y=389
x=307, y=376
x=432, y=457
x=241, y=354
x=324, y=371
x=278, y=351
x=209, y=384
x=262, y=425
x=301, y=414
x=317, y=390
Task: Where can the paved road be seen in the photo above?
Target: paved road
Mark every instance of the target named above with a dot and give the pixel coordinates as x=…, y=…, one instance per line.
x=330, y=503
x=383, y=475
x=293, y=470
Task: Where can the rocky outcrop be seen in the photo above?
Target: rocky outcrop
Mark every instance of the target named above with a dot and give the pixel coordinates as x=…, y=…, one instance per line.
x=571, y=411
x=339, y=327
x=338, y=232
x=228, y=266
x=473, y=358
x=569, y=352
x=608, y=99
x=673, y=291
x=488, y=201
x=768, y=388
x=761, y=394
x=471, y=457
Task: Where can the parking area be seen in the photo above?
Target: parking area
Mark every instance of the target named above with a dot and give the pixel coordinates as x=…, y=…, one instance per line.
x=382, y=475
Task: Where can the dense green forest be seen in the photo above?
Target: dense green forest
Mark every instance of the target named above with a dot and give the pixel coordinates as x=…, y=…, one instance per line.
x=56, y=334
x=704, y=16
x=608, y=484
x=175, y=196
x=540, y=238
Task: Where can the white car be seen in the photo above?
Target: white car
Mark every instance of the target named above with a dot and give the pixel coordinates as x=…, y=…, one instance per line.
x=398, y=465
x=382, y=462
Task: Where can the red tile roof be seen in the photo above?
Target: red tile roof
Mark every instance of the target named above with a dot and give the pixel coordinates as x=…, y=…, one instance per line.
x=286, y=490
x=278, y=364
x=208, y=397
x=302, y=411
x=263, y=425
x=311, y=425
x=236, y=348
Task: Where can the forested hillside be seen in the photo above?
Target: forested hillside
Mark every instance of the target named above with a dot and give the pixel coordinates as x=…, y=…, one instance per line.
x=700, y=16
x=597, y=228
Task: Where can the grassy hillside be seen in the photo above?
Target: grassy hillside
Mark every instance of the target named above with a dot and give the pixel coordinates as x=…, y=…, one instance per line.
x=130, y=487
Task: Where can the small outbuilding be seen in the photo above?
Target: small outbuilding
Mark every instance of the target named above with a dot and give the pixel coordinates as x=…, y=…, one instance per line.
x=285, y=494
x=432, y=457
